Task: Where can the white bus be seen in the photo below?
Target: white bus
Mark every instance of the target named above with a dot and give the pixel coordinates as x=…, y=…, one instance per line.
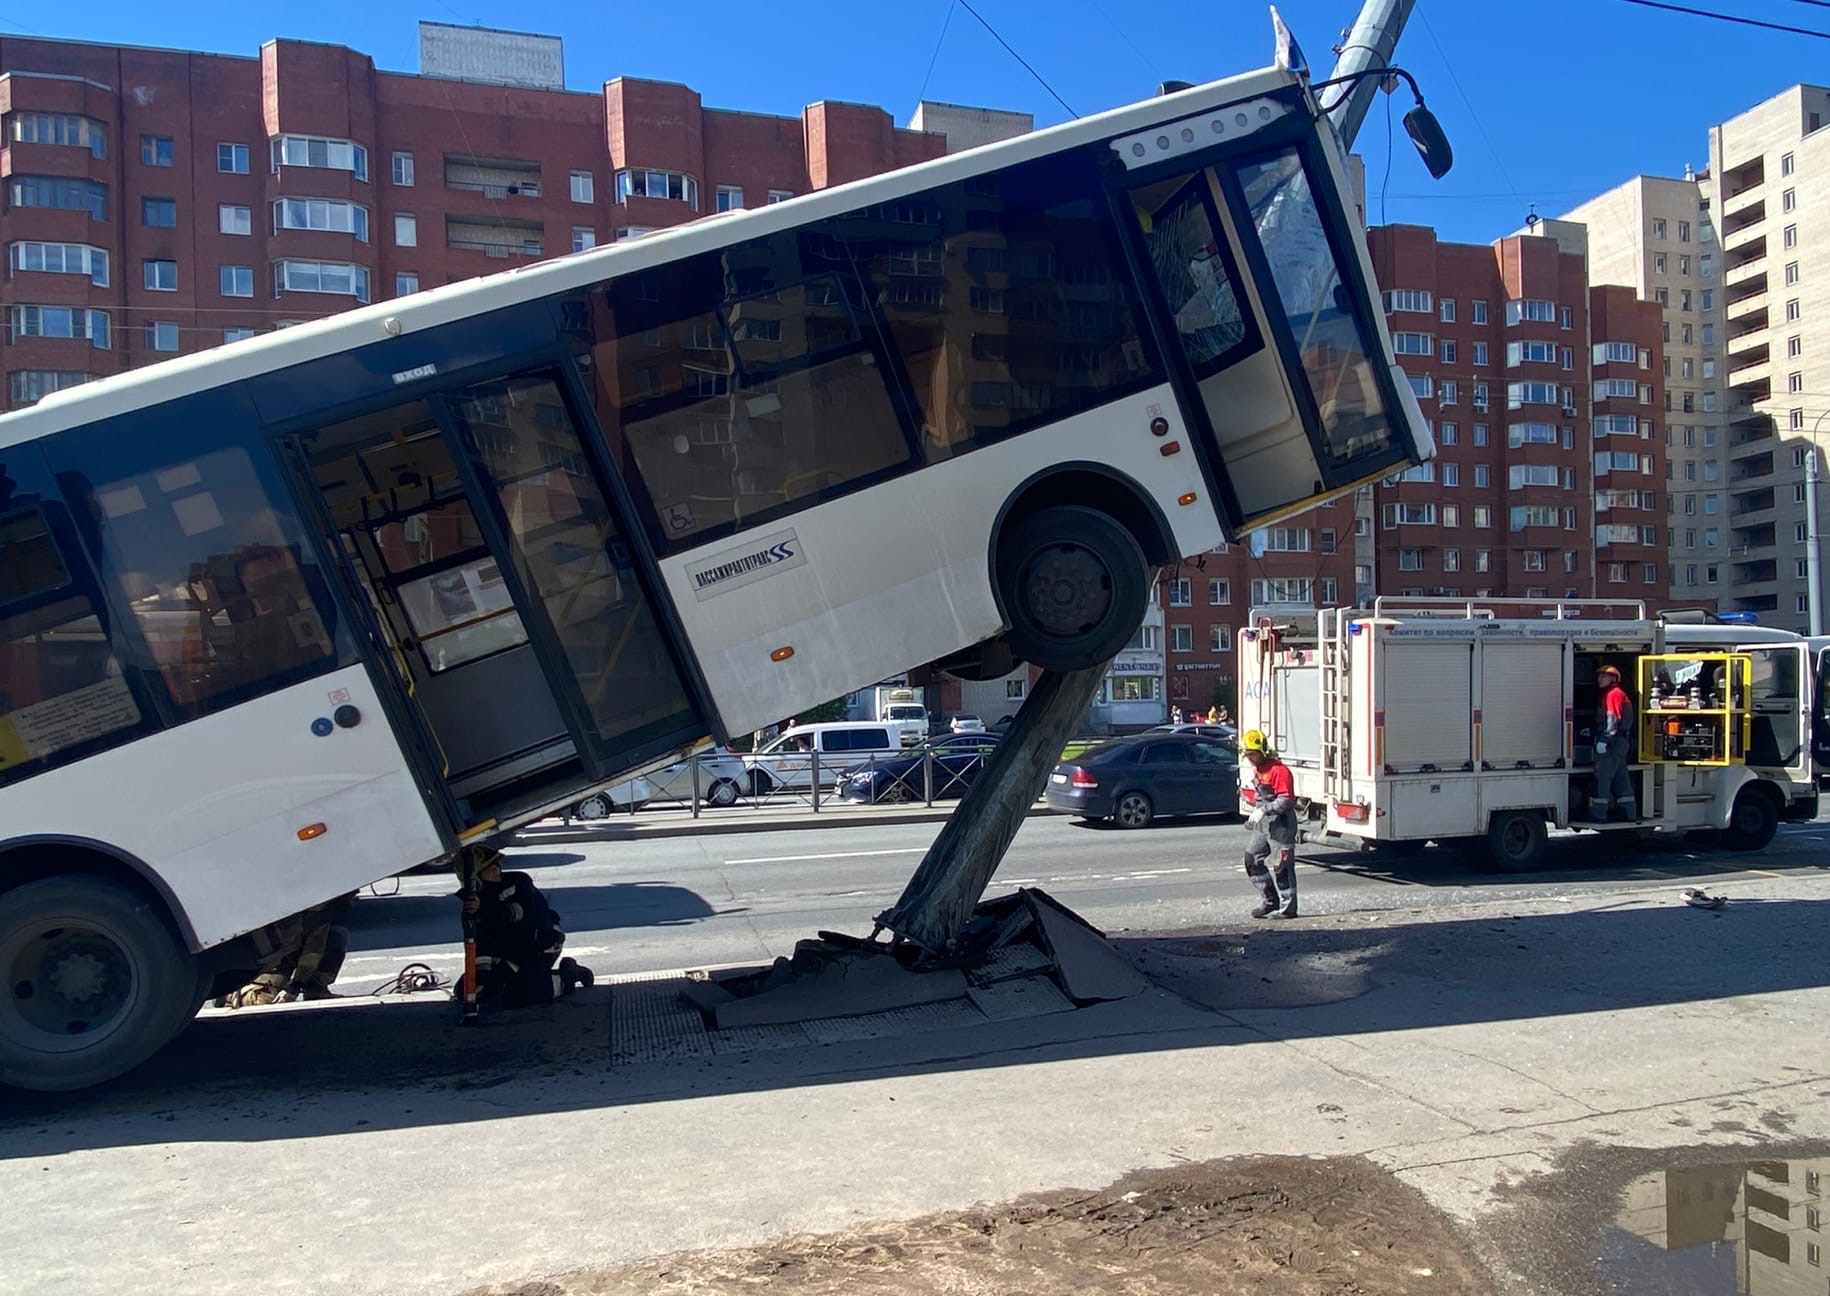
x=305, y=611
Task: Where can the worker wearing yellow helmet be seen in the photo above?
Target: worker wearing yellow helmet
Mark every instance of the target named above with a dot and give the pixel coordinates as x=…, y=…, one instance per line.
x=1254, y=740
x=1271, y=792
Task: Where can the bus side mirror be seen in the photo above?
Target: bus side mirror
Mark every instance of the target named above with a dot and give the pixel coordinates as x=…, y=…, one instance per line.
x=1432, y=144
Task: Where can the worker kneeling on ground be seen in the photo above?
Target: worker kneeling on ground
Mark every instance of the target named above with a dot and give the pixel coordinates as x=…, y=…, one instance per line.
x=519, y=938
x=1614, y=740
x=1272, y=822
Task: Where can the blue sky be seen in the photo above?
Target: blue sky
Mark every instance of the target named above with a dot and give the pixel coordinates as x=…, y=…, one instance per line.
x=1548, y=101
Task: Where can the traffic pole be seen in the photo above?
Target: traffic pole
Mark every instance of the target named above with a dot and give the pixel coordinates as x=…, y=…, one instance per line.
x=1371, y=44
x=467, y=891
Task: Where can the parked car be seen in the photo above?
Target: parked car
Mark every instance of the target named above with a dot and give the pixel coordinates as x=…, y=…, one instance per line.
x=1133, y=781
x=842, y=747
x=1200, y=728
x=624, y=798
x=967, y=724
x=957, y=762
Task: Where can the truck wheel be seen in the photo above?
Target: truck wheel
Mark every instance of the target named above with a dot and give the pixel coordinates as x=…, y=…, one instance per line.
x=1074, y=584
x=1753, y=821
x=1516, y=841
x=92, y=982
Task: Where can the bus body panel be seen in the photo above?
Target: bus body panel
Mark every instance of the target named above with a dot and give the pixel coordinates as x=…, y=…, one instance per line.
x=218, y=803
x=843, y=585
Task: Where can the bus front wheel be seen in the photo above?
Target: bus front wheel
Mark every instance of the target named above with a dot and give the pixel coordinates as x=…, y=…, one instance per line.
x=92, y=982
x=1073, y=581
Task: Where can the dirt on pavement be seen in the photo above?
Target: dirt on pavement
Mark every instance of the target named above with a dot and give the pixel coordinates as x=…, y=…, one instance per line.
x=1299, y=1227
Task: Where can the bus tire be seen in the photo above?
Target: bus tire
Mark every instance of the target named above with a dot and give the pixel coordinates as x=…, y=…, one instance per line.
x=1752, y=821
x=1516, y=841
x=1073, y=583
x=95, y=981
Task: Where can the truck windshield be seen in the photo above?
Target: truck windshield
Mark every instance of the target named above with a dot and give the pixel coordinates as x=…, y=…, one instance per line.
x=906, y=713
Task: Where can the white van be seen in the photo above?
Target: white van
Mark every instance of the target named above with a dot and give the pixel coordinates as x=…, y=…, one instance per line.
x=836, y=749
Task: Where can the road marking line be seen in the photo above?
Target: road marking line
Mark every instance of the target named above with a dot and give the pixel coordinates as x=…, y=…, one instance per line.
x=1764, y=872
x=792, y=859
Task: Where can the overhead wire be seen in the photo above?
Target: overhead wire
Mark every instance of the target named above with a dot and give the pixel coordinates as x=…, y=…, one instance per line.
x=1729, y=18
x=933, y=58
x=1040, y=79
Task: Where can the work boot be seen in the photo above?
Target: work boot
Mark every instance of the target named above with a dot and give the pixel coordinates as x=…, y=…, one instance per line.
x=1263, y=910
x=1288, y=912
x=1629, y=810
x=572, y=975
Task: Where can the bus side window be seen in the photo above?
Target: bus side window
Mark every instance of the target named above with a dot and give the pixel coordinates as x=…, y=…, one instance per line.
x=226, y=599
x=62, y=692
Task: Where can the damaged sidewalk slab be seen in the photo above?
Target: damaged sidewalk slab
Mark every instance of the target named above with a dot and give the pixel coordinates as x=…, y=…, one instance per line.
x=1022, y=955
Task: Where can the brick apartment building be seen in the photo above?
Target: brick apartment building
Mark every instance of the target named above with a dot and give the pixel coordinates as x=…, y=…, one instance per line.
x=159, y=202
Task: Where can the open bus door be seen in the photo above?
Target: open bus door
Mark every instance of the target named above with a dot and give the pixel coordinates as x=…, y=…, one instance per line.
x=483, y=554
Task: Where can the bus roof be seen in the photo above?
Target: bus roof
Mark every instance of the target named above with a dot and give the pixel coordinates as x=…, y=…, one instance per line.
x=236, y=361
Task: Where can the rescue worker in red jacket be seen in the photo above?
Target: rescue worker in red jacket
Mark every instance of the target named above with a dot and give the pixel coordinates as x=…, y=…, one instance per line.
x=1271, y=793
x=1615, y=737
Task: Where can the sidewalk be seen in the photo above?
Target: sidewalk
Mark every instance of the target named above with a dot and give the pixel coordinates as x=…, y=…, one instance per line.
x=1472, y=1052
x=679, y=822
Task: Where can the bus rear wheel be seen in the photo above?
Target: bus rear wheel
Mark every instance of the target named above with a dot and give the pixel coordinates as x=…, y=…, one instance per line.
x=92, y=983
x=1073, y=581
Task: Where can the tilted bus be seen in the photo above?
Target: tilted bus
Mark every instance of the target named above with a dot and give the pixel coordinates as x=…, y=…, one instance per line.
x=286, y=617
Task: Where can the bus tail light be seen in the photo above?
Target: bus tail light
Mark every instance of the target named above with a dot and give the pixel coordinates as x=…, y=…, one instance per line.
x=1349, y=812
x=1082, y=779
x=312, y=830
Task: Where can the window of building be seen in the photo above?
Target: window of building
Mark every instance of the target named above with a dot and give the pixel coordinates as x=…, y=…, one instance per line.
x=237, y=334
x=406, y=284
x=159, y=213
x=60, y=322
x=406, y=230
x=1411, y=343
x=1445, y=309
x=232, y=159
x=1683, y=231
x=780, y=195
x=1219, y=592
x=1447, y=391
x=1181, y=592
x=1658, y=263
x=59, y=258
x=1448, y=434
x=1451, y=560
x=403, y=170
x=1451, y=474
x=675, y=186
x=161, y=335
x=1788, y=200
x=1410, y=560
x=1413, y=300
x=338, y=277
x=1522, y=311
x=1519, y=394
x=1219, y=638
x=321, y=153
x=27, y=386
x=1483, y=476
x=64, y=129
x=1480, y=434
x=321, y=214
x=156, y=150
x=1566, y=318
x=1478, y=311
x=1397, y=515
x=1421, y=386
x=1785, y=164
x=1683, y=265
x=61, y=193
x=1181, y=638
x=1480, y=397
x=1480, y=355
x=231, y=219
x=729, y=198
x=583, y=238
x=1791, y=273
x=237, y=281
x=1790, y=237
x=159, y=275
x=1447, y=349
x=1658, y=228
x=1451, y=515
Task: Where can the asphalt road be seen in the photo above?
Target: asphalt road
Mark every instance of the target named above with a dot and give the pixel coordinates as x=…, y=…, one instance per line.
x=715, y=899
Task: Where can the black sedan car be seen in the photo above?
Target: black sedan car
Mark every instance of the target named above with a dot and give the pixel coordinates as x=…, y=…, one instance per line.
x=1132, y=781
x=895, y=779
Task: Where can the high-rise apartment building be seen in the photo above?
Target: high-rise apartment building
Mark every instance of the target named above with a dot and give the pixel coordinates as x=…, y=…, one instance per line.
x=1730, y=254
x=161, y=202
x=1655, y=235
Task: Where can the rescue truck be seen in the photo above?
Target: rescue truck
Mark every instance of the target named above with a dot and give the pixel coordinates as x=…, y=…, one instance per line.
x=1469, y=722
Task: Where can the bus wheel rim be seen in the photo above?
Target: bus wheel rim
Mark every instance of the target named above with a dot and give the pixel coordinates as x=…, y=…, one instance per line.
x=1067, y=589
x=68, y=984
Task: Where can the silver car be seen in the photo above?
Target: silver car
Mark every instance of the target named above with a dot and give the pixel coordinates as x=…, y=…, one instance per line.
x=721, y=781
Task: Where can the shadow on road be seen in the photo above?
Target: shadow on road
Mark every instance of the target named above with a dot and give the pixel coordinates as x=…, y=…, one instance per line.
x=302, y=1071
x=406, y=921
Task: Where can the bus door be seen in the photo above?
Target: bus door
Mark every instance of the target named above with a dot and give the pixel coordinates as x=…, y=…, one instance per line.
x=1263, y=298
x=1781, y=703
x=499, y=594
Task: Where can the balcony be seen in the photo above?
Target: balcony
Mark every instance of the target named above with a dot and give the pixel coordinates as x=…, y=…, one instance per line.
x=1751, y=269
x=1756, y=596
x=1756, y=572
x=1746, y=540
x=1738, y=182
x=1745, y=216
x=499, y=238
x=1742, y=253
x=497, y=179
x=1746, y=324
x=1752, y=285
